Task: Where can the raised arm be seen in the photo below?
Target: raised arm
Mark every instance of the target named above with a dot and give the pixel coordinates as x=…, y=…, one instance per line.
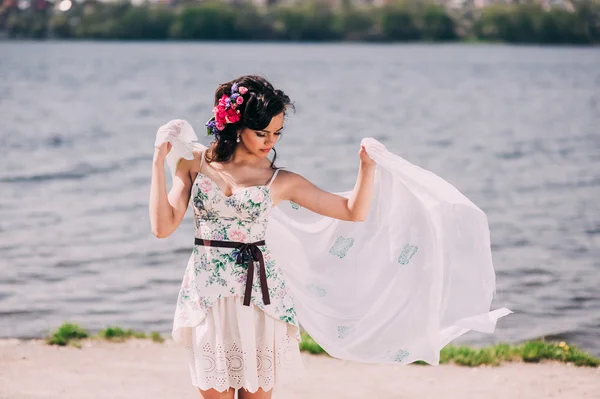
x=167, y=210
x=356, y=208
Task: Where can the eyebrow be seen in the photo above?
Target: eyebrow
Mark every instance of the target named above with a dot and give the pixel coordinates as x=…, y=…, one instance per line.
x=266, y=131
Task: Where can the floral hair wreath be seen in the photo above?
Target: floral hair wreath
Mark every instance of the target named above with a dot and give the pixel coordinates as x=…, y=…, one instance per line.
x=226, y=110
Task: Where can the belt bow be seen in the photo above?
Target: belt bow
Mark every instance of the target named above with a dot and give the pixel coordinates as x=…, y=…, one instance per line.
x=252, y=253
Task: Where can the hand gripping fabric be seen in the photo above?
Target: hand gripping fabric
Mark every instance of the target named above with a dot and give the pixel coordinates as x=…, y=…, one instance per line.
x=183, y=139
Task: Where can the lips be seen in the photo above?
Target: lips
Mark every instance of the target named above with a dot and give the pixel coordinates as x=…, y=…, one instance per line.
x=266, y=150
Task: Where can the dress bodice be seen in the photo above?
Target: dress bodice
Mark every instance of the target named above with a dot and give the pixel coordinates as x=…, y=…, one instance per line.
x=242, y=216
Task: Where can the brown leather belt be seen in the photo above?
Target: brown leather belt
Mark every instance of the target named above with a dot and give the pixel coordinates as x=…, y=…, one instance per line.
x=253, y=254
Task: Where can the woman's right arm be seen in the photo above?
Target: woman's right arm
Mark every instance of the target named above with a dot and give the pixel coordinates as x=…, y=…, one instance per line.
x=167, y=210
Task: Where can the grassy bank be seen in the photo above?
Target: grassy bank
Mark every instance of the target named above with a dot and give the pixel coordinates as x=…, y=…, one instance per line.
x=530, y=351
x=71, y=334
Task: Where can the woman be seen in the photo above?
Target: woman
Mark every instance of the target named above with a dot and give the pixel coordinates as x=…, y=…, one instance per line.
x=365, y=291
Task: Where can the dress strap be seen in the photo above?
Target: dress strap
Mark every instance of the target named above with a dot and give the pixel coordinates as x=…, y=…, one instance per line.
x=201, y=160
x=273, y=177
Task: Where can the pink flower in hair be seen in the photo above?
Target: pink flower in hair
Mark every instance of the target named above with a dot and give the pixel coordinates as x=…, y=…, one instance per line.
x=242, y=90
x=232, y=116
x=223, y=100
x=220, y=115
x=226, y=111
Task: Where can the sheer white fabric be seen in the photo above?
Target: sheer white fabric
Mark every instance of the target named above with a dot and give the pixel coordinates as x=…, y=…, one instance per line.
x=241, y=346
x=397, y=287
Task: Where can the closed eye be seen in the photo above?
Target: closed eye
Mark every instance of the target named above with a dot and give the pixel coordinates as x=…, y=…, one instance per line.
x=277, y=133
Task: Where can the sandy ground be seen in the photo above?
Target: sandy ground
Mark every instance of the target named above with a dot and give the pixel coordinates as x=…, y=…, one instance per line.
x=143, y=369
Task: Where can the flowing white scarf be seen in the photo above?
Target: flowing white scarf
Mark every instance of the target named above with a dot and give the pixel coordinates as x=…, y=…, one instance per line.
x=396, y=288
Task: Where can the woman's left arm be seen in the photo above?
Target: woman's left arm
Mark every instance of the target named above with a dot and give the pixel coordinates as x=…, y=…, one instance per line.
x=297, y=189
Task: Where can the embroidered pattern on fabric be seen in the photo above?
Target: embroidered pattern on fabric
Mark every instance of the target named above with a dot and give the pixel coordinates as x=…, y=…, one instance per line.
x=400, y=355
x=294, y=205
x=223, y=366
x=407, y=252
x=317, y=291
x=344, y=331
x=341, y=246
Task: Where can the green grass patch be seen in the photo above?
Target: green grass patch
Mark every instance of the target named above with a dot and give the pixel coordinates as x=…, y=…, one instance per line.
x=116, y=333
x=530, y=351
x=68, y=333
x=309, y=345
x=71, y=334
x=472, y=357
x=536, y=351
x=156, y=337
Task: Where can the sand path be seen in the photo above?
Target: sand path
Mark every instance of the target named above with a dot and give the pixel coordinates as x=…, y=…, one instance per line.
x=145, y=370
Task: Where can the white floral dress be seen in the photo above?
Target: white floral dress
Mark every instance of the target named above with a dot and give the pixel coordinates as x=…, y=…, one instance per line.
x=232, y=345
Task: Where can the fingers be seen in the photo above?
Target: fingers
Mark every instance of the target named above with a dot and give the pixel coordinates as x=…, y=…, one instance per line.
x=171, y=128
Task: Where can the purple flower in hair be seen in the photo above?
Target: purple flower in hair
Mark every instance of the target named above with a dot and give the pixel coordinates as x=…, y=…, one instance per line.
x=211, y=126
x=234, y=96
x=234, y=88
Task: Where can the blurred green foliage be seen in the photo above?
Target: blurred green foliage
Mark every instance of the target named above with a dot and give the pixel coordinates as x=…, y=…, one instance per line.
x=407, y=20
x=529, y=23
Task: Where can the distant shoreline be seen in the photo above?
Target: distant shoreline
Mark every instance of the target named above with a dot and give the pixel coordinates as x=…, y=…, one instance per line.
x=302, y=42
x=400, y=21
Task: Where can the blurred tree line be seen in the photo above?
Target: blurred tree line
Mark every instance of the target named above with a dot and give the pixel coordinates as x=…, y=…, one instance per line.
x=408, y=20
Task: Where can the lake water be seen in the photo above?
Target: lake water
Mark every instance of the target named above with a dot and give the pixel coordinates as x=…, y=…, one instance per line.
x=516, y=129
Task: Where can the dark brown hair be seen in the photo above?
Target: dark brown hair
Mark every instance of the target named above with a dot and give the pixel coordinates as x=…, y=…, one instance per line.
x=261, y=103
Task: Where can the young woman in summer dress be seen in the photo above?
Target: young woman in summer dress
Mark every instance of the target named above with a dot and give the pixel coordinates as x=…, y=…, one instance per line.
x=256, y=272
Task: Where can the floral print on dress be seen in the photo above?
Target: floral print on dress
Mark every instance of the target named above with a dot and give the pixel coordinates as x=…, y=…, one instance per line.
x=344, y=331
x=317, y=291
x=399, y=355
x=237, y=235
x=212, y=272
x=407, y=252
x=205, y=186
x=341, y=246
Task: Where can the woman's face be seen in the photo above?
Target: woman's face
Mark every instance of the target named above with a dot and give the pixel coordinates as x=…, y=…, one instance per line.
x=260, y=142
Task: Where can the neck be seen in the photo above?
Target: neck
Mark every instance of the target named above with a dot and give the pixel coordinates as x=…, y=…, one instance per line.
x=241, y=156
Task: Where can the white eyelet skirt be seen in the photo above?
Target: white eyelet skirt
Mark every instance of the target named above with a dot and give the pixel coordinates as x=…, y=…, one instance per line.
x=239, y=346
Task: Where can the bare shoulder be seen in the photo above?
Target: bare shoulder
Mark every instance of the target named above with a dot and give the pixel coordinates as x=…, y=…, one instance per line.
x=287, y=177
x=193, y=165
x=285, y=173
x=288, y=183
